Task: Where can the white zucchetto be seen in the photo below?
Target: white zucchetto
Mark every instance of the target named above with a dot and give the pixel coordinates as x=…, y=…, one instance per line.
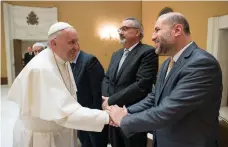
x=58, y=27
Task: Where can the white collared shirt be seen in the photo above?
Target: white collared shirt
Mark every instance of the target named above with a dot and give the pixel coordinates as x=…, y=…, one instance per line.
x=176, y=57
x=132, y=47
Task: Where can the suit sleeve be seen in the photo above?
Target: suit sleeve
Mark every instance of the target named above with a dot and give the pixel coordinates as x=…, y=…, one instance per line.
x=195, y=89
x=96, y=75
x=145, y=77
x=144, y=104
x=82, y=118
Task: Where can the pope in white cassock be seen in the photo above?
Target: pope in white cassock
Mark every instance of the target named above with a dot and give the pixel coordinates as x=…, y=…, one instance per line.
x=46, y=93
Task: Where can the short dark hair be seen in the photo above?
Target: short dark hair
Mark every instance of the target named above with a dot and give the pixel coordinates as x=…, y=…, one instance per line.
x=177, y=18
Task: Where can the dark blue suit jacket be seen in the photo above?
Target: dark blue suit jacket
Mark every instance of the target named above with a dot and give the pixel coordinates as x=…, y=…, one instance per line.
x=28, y=57
x=88, y=74
x=183, y=109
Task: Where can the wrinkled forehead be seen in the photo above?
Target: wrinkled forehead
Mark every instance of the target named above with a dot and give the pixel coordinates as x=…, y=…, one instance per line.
x=128, y=23
x=161, y=23
x=69, y=33
x=37, y=48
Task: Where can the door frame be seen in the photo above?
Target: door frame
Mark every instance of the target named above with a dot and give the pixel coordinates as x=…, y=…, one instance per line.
x=8, y=28
x=215, y=25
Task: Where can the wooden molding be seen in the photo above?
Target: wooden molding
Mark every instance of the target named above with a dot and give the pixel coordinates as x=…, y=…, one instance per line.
x=4, y=81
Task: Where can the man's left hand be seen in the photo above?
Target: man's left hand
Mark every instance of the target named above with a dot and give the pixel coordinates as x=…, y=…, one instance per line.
x=105, y=102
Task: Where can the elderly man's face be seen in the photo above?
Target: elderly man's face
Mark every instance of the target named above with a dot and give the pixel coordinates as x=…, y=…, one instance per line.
x=37, y=49
x=128, y=31
x=67, y=44
x=163, y=37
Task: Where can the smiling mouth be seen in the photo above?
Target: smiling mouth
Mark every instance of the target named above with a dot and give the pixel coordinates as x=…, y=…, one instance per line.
x=156, y=41
x=122, y=37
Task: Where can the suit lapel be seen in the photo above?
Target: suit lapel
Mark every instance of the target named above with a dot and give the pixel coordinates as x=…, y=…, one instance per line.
x=180, y=62
x=164, y=70
x=128, y=59
x=160, y=78
x=78, y=65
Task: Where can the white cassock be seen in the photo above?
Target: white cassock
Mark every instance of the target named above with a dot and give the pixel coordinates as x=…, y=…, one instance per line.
x=49, y=110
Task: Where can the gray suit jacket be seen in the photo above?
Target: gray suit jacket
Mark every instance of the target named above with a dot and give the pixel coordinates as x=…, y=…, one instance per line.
x=182, y=110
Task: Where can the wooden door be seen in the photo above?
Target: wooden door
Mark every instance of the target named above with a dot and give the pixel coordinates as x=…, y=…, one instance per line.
x=18, y=61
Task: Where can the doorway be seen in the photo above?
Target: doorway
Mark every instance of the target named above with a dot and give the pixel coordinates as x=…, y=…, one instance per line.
x=223, y=60
x=217, y=45
x=20, y=47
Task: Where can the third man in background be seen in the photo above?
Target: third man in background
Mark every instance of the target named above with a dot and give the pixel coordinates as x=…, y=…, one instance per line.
x=28, y=56
x=88, y=75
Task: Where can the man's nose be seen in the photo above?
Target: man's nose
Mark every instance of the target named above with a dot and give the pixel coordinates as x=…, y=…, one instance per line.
x=154, y=36
x=76, y=45
x=120, y=31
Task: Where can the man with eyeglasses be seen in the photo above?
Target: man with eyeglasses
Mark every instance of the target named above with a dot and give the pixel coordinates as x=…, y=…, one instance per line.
x=129, y=78
x=37, y=48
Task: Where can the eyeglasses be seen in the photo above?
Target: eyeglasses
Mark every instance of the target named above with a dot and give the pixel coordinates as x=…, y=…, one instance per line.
x=125, y=28
x=38, y=51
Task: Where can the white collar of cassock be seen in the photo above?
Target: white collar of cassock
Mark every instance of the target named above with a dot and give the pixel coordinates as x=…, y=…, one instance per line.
x=59, y=60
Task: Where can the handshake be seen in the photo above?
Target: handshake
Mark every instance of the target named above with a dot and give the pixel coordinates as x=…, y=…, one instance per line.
x=115, y=112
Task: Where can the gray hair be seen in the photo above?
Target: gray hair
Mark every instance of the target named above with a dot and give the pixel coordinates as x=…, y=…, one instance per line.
x=137, y=25
x=177, y=18
x=52, y=36
x=38, y=44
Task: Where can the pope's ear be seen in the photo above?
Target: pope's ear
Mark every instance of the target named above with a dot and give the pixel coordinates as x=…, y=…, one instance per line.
x=53, y=42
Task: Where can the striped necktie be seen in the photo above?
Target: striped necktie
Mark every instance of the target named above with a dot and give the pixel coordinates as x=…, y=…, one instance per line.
x=125, y=54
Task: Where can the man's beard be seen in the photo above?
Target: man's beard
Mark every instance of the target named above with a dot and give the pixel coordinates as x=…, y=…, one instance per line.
x=122, y=41
x=164, y=48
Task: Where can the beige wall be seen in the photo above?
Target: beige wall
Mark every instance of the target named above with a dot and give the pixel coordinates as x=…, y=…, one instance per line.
x=197, y=14
x=86, y=18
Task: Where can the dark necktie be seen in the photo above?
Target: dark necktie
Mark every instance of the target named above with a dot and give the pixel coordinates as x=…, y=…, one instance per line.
x=72, y=66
